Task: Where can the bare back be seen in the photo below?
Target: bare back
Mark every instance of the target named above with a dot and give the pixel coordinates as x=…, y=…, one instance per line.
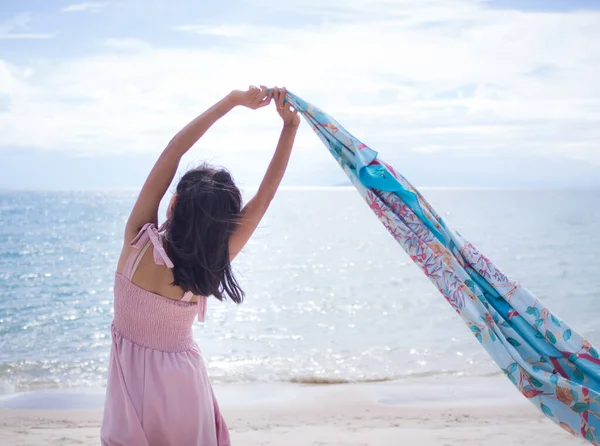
x=147, y=273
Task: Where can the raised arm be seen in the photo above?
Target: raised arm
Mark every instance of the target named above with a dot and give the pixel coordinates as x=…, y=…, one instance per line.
x=255, y=209
x=145, y=209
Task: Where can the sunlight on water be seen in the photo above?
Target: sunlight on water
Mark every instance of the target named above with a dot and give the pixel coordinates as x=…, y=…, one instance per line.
x=330, y=296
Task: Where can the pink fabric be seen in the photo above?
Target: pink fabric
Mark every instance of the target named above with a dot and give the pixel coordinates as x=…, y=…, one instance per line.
x=187, y=296
x=158, y=390
x=150, y=234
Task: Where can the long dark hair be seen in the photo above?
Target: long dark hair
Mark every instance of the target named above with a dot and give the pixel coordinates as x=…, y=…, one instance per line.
x=206, y=213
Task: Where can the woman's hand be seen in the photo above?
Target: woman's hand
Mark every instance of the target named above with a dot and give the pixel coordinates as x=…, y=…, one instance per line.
x=290, y=117
x=252, y=98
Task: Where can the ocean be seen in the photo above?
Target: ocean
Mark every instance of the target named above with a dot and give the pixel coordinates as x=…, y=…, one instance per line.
x=330, y=296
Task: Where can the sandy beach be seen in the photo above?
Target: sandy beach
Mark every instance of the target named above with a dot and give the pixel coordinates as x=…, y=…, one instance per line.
x=349, y=414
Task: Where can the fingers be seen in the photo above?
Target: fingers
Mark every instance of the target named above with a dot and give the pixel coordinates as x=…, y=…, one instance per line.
x=258, y=97
x=264, y=97
x=284, y=109
x=262, y=92
x=281, y=98
x=257, y=94
x=290, y=110
x=276, y=95
x=266, y=100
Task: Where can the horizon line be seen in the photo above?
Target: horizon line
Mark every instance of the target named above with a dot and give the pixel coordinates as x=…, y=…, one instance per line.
x=321, y=188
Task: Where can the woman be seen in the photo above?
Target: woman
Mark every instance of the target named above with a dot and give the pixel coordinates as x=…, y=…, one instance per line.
x=158, y=391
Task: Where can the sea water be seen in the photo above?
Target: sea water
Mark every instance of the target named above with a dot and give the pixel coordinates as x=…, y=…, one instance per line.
x=330, y=296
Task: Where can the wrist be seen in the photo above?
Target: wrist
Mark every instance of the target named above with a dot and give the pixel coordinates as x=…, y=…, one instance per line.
x=231, y=100
x=224, y=106
x=290, y=126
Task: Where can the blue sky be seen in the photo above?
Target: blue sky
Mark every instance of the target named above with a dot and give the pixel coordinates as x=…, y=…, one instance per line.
x=452, y=92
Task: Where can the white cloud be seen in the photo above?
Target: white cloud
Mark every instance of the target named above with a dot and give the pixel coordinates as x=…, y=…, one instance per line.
x=424, y=76
x=84, y=7
x=19, y=28
x=221, y=30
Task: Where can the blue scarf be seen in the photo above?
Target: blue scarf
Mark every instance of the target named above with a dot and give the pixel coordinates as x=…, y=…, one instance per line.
x=548, y=362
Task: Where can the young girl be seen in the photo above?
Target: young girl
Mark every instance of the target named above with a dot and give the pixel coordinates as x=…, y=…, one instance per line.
x=158, y=391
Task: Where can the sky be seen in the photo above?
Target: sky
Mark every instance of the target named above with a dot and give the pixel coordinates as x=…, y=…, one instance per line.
x=456, y=93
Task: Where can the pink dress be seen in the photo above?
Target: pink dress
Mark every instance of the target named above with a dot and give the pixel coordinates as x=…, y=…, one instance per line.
x=158, y=391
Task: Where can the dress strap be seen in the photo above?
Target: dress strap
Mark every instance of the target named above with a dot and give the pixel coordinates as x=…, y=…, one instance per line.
x=137, y=257
x=149, y=231
x=202, y=301
x=150, y=235
x=187, y=297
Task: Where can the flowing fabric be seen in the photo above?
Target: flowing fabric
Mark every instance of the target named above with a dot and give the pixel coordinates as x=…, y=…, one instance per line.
x=549, y=363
